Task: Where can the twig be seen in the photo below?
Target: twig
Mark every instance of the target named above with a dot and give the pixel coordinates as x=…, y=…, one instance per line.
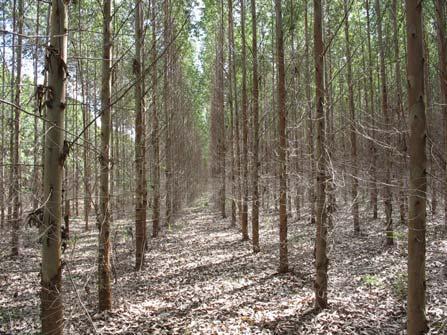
x=79, y=298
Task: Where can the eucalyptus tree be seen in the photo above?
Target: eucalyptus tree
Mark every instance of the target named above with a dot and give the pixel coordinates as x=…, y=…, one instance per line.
x=372, y=148
x=104, y=246
x=440, y=9
x=309, y=119
x=399, y=112
x=255, y=111
x=387, y=192
x=282, y=143
x=321, y=260
x=155, y=127
x=352, y=130
x=15, y=182
x=51, y=272
x=167, y=106
x=244, y=160
x=417, y=323
x=140, y=142
x=217, y=122
x=234, y=122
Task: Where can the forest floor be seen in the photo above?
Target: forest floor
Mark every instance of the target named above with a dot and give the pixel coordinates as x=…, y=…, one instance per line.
x=200, y=278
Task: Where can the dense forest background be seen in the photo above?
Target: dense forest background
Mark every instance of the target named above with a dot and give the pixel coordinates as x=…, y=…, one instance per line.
x=196, y=166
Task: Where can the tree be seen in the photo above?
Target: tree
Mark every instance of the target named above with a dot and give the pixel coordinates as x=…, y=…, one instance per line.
x=244, y=176
x=387, y=194
x=221, y=102
x=353, y=137
x=35, y=185
x=51, y=271
x=282, y=143
x=255, y=172
x=442, y=52
x=167, y=77
x=399, y=111
x=155, y=130
x=104, y=266
x=15, y=190
x=309, y=121
x=417, y=323
x=321, y=260
x=140, y=142
x=217, y=123
x=232, y=102
x=372, y=149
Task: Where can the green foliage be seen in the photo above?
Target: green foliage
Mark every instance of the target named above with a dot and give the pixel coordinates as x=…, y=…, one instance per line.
x=400, y=285
x=371, y=280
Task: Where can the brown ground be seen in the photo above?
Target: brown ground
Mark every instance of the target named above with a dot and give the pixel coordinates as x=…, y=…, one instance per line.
x=201, y=279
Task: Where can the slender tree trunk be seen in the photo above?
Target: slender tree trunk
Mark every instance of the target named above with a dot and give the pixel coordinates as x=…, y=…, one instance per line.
x=244, y=217
x=222, y=144
x=85, y=136
x=155, y=130
x=387, y=194
x=238, y=181
x=167, y=109
x=232, y=97
x=431, y=159
x=417, y=323
x=35, y=182
x=15, y=232
x=87, y=174
x=11, y=123
x=50, y=295
x=321, y=260
x=3, y=128
x=140, y=143
x=399, y=114
x=282, y=149
x=442, y=51
x=104, y=265
x=255, y=103
x=373, y=149
x=309, y=120
x=353, y=137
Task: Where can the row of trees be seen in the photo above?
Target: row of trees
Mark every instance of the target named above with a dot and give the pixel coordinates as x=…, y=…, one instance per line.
x=348, y=139
x=307, y=116
x=79, y=113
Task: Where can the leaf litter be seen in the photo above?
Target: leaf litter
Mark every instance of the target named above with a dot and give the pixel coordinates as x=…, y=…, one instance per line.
x=200, y=278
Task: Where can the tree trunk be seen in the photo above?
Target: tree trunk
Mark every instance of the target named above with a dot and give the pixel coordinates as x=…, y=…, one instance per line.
x=238, y=180
x=221, y=96
x=417, y=323
x=244, y=216
x=140, y=142
x=35, y=182
x=321, y=260
x=50, y=295
x=309, y=121
x=255, y=102
x=232, y=98
x=442, y=51
x=104, y=266
x=155, y=130
x=16, y=142
x=87, y=174
x=353, y=137
x=282, y=148
x=372, y=148
x=400, y=115
x=167, y=109
x=387, y=194
x=3, y=128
